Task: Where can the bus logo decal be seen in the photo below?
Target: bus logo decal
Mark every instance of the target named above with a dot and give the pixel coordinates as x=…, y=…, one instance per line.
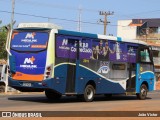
x=29, y=60
x=30, y=35
x=65, y=42
x=29, y=38
x=103, y=69
x=28, y=63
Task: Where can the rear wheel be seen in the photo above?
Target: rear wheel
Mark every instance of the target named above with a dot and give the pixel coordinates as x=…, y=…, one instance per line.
x=143, y=92
x=2, y=88
x=89, y=93
x=51, y=95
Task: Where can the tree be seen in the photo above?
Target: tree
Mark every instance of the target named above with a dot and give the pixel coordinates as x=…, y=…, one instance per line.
x=3, y=38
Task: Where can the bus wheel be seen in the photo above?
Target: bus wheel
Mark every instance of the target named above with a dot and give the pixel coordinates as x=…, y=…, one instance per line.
x=2, y=88
x=143, y=92
x=52, y=95
x=89, y=93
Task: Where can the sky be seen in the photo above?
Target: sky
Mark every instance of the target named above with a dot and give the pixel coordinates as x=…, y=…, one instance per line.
x=66, y=13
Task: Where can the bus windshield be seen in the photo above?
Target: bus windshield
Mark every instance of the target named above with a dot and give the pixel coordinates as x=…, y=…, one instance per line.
x=24, y=41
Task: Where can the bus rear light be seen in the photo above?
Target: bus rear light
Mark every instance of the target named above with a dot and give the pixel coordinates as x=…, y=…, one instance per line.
x=49, y=68
x=48, y=71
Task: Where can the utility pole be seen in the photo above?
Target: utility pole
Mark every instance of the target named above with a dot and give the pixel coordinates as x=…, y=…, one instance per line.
x=79, y=18
x=12, y=16
x=147, y=32
x=105, y=21
x=10, y=27
x=49, y=20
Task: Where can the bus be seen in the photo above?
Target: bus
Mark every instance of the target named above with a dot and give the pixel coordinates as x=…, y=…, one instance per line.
x=62, y=62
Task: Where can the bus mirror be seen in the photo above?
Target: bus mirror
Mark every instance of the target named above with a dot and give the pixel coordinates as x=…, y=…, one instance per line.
x=12, y=64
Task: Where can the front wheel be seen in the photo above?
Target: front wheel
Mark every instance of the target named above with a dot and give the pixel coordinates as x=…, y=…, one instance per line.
x=143, y=92
x=89, y=93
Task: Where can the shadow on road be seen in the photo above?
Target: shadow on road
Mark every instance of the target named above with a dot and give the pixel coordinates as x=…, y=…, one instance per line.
x=73, y=99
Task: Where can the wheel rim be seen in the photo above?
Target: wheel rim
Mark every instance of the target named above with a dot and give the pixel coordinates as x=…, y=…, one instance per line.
x=143, y=92
x=89, y=93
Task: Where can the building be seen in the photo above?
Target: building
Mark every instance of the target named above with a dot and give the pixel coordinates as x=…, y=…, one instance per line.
x=143, y=29
x=147, y=30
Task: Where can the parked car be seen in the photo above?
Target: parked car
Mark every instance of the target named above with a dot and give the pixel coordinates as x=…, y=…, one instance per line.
x=3, y=75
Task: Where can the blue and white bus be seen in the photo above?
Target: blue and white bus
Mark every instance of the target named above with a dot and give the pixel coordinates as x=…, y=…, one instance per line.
x=62, y=62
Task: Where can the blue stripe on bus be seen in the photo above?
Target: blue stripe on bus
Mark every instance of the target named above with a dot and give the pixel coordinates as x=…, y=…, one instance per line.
x=73, y=33
x=119, y=39
x=108, y=86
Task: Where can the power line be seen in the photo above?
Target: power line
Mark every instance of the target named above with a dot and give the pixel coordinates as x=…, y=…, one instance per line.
x=62, y=19
x=54, y=6
x=73, y=8
x=69, y=20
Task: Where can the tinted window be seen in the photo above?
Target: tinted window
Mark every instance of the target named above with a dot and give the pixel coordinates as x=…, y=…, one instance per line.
x=118, y=66
x=85, y=48
x=131, y=53
x=144, y=55
x=118, y=52
x=100, y=50
x=66, y=47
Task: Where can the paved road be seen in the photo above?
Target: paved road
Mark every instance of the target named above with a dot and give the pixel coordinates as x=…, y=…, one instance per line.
x=38, y=102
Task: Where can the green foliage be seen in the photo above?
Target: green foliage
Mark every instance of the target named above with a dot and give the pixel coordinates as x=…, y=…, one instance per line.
x=3, y=38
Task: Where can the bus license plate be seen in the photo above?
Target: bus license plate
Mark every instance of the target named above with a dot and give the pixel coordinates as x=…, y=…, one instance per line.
x=27, y=84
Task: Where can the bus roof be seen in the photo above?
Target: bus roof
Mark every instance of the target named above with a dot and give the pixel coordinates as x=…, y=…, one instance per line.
x=39, y=25
x=67, y=32
x=99, y=36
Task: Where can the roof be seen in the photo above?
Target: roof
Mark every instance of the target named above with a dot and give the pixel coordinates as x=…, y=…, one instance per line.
x=153, y=22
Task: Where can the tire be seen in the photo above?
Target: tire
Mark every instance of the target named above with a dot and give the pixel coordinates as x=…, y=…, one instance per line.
x=143, y=92
x=2, y=89
x=52, y=95
x=89, y=93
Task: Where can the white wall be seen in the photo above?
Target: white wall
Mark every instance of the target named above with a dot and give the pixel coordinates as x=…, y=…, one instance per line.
x=126, y=31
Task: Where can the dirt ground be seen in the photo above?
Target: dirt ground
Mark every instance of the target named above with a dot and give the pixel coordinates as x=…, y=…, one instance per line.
x=158, y=85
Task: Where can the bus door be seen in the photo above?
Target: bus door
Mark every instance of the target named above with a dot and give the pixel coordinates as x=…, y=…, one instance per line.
x=132, y=77
x=73, y=56
x=132, y=60
x=145, y=69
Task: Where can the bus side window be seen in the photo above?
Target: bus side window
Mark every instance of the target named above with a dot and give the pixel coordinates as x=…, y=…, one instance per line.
x=144, y=55
x=119, y=66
